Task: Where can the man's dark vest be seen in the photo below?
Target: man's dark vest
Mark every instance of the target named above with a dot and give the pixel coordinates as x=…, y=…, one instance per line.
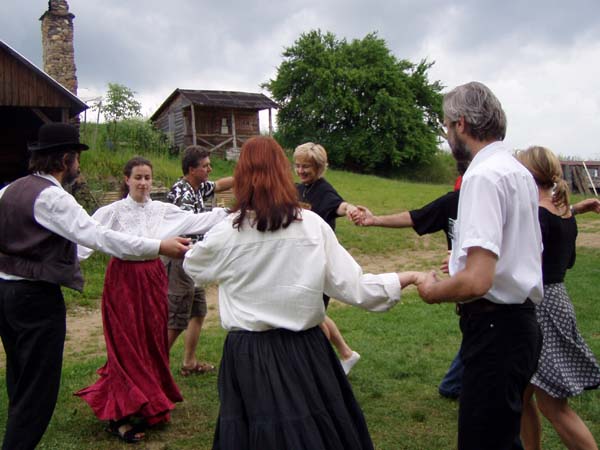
x=29, y=250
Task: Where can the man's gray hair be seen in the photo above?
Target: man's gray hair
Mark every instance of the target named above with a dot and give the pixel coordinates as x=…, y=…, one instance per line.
x=480, y=108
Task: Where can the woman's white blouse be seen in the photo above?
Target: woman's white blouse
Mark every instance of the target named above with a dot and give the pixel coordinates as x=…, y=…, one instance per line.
x=277, y=279
x=153, y=219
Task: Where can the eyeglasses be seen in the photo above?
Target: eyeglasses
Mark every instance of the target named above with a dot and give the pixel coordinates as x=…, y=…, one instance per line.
x=303, y=166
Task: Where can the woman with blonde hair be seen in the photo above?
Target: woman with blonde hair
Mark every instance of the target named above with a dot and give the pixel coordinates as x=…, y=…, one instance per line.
x=316, y=194
x=280, y=384
x=567, y=366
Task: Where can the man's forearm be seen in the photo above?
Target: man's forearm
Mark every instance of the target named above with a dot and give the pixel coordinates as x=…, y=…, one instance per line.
x=400, y=220
x=474, y=281
x=222, y=184
x=459, y=288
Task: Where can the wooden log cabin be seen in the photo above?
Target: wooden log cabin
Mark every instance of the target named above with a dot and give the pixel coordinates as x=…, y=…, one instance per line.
x=28, y=98
x=582, y=176
x=219, y=120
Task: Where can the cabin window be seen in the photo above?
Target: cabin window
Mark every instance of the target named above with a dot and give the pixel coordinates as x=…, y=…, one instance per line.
x=224, y=127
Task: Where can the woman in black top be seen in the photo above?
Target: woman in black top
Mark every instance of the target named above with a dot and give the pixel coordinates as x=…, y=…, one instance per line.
x=567, y=366
x=316, y=194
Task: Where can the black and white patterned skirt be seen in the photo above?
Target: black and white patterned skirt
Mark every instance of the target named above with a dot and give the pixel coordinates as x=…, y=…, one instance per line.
x=567, y=366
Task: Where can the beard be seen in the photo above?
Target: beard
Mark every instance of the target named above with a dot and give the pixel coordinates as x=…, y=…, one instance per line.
x=70, y=176
x=460, y=150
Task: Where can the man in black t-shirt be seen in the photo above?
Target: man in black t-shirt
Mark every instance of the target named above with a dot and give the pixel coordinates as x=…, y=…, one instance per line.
x=439, y=215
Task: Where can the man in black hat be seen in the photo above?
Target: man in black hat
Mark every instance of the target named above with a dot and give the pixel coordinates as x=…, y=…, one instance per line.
x=41, y=224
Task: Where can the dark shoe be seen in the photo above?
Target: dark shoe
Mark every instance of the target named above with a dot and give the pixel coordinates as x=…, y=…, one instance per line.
x=130, y=436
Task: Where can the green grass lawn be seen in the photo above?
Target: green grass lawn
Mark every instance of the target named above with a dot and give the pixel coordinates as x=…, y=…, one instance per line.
x=405, y=352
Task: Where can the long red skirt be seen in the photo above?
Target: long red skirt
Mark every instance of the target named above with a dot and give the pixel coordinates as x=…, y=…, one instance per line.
x=136, y=379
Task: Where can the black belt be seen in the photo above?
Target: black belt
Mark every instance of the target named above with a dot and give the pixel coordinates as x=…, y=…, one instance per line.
x=484, y=306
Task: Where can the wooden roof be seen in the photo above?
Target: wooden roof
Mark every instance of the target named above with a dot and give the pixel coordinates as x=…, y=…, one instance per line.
x=220, y=99
x=22, y=84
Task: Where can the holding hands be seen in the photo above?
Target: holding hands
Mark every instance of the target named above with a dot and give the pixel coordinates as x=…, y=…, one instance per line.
x=346, y=209
x=412, y=277
x=351, y=211
x=174, y=247
x=362, y=216
x=425, y=287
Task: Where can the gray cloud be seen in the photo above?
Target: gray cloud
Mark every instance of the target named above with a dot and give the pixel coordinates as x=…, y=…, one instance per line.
x=539, y=56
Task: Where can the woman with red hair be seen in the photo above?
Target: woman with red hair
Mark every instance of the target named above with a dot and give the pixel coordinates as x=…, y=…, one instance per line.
x=281, y=385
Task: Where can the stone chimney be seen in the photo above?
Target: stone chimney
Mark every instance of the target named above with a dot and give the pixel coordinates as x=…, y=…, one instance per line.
x=57, y=44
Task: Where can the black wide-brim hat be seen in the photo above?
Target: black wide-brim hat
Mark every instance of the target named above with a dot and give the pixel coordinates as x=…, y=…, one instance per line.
x=56, y=137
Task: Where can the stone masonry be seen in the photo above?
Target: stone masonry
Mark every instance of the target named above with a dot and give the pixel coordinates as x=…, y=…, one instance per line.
x=57, y=44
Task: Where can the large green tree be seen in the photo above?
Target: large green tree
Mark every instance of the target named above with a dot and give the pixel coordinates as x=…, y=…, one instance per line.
x=370, y=110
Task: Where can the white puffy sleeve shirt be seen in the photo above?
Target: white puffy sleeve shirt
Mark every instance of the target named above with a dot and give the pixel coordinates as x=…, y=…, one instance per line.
x=153, y=219
x=498, y=211
x=56, y=210
x=277, y=279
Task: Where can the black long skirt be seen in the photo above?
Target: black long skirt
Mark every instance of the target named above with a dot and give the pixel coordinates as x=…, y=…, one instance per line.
x=285, y=390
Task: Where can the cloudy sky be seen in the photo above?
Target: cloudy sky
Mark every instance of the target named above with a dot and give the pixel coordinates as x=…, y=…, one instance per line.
x=541, y=58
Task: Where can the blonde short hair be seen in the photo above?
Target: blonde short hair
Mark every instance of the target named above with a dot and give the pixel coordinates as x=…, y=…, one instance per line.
x=315, y=153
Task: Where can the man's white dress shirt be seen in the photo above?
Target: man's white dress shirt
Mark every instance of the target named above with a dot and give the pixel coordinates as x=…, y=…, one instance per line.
x=498, y=211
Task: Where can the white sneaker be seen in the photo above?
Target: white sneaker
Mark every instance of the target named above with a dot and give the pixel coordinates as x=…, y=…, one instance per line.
x=349, y=363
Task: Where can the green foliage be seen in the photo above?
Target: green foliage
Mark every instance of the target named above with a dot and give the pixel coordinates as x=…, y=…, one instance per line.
x=370, y=110
x=134, y=134
x=440, y=168
x=102, y=167
x=119, y=103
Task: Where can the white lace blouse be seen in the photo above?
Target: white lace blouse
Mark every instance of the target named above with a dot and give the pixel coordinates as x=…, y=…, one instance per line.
x=153, y=219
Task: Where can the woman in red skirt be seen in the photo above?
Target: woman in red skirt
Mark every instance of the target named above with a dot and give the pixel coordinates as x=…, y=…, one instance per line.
x=136, y=384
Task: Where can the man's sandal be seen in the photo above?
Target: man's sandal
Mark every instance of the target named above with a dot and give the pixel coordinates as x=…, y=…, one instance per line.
x=130, y=436
x=197, y=369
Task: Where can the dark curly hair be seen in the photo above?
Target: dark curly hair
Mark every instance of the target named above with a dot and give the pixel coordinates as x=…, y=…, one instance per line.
x=51, y=162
